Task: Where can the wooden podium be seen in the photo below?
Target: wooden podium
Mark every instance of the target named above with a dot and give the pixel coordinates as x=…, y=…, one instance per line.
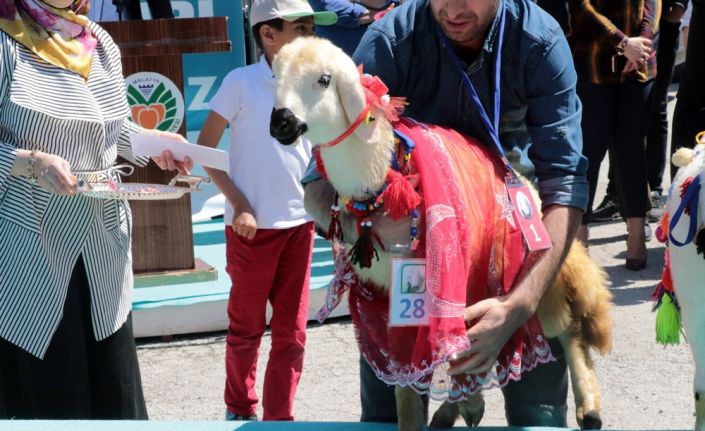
x=162, y=237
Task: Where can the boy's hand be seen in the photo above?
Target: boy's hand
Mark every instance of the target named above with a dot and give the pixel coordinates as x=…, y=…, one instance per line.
x=244, y=224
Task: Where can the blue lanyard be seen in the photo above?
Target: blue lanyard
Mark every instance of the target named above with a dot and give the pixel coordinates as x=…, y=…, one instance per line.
x=492, y=128
x=690, y=199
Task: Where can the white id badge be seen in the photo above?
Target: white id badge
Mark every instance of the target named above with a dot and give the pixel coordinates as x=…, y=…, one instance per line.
x=408, y=302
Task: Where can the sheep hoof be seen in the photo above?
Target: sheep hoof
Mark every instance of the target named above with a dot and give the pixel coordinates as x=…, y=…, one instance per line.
x=591, y=421
x=472, y=410
x=445, y=416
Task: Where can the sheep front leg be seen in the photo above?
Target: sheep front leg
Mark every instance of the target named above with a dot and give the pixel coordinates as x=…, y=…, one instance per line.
x=471, y=410
x=410, y=409
x=584, y=380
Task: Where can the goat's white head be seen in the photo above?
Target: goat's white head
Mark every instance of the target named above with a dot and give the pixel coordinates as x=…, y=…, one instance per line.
x=318, y=92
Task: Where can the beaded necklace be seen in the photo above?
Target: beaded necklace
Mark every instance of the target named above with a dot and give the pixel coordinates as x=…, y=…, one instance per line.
x=397, y=196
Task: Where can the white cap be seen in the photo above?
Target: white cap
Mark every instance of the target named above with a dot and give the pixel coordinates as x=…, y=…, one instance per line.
x=288, y=10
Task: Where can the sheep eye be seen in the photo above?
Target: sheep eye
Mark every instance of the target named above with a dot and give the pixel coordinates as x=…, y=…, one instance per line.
x=324, y=80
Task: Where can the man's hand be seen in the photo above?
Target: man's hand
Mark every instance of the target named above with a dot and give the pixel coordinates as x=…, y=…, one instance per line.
x=494, y=320
x=245, y=224
x=492, y=323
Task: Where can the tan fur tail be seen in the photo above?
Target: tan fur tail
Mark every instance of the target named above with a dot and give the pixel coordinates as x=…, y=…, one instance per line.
x=590, y=300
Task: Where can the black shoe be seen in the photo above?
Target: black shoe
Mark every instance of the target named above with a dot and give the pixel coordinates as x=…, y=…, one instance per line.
x=608, y=210
x=635, y=264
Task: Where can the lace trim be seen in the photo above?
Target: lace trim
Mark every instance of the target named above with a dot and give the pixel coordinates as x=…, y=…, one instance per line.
x=443, y=387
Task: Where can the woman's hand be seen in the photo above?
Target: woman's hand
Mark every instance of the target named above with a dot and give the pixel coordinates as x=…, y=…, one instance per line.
x=638, y=50
x=81, y=7
x=54, y=174
x=630, y=67
x=166, y=160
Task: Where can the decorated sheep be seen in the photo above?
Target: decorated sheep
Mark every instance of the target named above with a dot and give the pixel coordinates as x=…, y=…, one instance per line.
x=444, y=196
x=681, y=293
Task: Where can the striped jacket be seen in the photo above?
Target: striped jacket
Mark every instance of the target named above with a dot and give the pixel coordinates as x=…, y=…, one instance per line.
x=598, y=26
x=42, y=235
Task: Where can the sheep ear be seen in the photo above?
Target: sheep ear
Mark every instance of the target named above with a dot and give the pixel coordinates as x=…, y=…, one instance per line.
x=683, y=157
x=350, y=93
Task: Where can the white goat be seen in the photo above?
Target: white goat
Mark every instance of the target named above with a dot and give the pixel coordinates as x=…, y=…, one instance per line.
x=687, y=267
x=319, y=93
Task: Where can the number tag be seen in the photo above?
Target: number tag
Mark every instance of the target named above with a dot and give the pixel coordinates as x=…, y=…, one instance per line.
x=408, y=302
x=527, y=215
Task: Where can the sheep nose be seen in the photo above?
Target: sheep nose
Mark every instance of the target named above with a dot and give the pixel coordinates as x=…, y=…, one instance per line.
x=285, y=127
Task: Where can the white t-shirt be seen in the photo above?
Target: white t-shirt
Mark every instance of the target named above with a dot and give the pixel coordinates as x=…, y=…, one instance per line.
x=265, y=171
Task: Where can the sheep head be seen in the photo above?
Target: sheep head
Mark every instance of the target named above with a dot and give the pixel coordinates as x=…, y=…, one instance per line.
x=318, y=92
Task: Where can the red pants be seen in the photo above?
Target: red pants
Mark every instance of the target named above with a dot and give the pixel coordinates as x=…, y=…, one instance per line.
x=275, y=266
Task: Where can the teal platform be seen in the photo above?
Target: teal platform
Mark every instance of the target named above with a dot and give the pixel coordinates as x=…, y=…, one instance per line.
x=201, y=307
x=218, y=426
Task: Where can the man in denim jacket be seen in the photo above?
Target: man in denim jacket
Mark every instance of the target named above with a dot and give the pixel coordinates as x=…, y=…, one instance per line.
x=539, y=129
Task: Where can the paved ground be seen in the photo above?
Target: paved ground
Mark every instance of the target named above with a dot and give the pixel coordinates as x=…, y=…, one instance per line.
x=644, y=385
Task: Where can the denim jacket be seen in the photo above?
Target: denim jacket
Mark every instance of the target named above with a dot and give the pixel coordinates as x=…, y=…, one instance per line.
x=540, y=112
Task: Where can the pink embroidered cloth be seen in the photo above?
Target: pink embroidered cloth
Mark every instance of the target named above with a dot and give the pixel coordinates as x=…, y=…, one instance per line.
x=473, y=251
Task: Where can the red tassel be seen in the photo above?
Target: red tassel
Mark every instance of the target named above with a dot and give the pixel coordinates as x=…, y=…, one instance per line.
x=399, y=197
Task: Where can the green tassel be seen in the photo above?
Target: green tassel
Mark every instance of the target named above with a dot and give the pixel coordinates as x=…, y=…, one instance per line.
x=668, y=322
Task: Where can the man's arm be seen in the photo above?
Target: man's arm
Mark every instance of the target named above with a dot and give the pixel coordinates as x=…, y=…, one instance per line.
x=496, y=319
x=379, y=57
x=553, y=121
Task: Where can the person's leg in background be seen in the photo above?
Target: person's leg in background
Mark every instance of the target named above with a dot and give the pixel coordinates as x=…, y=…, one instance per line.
x=251, y=265
x=657, y=132
x=597, y=125
x=689, y=115
x=289, y=299
x=608, y=209
x=630, y=165
x=540, y=397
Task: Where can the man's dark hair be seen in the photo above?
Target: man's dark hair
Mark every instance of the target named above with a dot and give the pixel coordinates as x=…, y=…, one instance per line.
x=276, y=23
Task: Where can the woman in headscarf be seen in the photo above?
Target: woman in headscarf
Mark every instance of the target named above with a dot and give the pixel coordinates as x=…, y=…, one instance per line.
x=66, y=343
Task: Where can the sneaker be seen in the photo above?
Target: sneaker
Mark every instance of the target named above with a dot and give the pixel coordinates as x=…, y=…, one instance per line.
x=608, y=210
x=230, y=416
x=656, y=212
x=647, y=232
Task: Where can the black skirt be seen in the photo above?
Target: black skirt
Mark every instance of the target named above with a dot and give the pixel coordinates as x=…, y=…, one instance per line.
x=79, y=377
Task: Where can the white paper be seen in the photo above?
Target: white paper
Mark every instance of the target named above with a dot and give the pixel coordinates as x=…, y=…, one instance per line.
x=151, y=145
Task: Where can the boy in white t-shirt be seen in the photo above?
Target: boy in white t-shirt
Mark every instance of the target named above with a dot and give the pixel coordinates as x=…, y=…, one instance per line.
x=269, y=236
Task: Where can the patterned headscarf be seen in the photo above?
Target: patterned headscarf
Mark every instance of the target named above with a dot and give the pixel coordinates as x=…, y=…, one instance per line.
x=58, y=36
